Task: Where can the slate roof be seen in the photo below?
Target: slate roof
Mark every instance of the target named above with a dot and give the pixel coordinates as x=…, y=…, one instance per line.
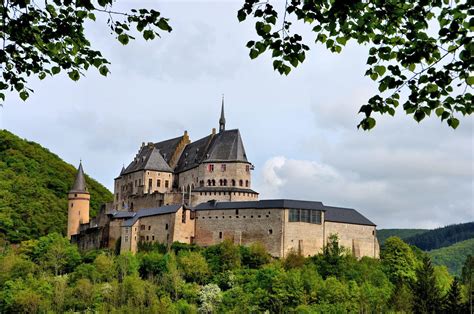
x=168, y=209
x=346, y=215
x=122, y=214
x=168, y=147
x=333, y=214
x=149, y=158
x=262, y=204
x=80, y=181
x=226, y=146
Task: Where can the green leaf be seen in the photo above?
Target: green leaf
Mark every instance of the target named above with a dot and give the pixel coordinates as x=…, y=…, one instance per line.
x=74, y=75
x=341, y=40
x=380, y=69
x=253, y=53
x=163, y=25
x=374, y=76
x=470, y=80
x=241, y=15
x=42, y=75
x=439, y=111
x=412, y=67
x=24, y=95
x=266, y=28
x=103, y=70
x=2, y=96
x=123, y=38
x=419, y=115
x=148, y=34
x=453, y=122
x=91, y=16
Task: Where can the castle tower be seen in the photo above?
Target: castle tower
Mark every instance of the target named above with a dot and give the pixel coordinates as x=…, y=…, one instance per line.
x=222, y=119
x=78, y=204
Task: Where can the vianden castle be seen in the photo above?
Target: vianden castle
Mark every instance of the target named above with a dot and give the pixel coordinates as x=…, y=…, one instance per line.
x=201, y=192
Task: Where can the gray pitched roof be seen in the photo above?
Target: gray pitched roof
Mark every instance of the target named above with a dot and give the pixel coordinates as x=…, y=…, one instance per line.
x=168, y=209
x=346, y=215
x=149, y=158
x=227, y=146
x=117, y=214
x=168, y=147
x=333, y=214
x=80, y=181
x=193, y=154
x=262, y=204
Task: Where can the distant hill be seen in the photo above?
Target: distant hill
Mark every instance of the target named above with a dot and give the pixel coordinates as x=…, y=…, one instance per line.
x=33, y=187
x=383, y=234
x=453, y=256
x=442, y=237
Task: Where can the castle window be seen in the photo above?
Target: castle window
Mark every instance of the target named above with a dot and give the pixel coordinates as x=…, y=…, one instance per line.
x=209, y=182
x=259, y=216
x=167, y=183
x=316, y=217
x=236, y=211
x=147, y=238
x=220, y=235
x=201, y=183
x=168, y=236
x=225, y=182
x=221, y=183
x=233, y=182
x=136, y=182
x=223, y=167
x=247, y=183
x=166, y=226
x=270, y=231
x=247, y=168
x=142, y=238
x=153, y=238
x=140, y=182
x=72, y=204
x=211, y=168
x=241, y=182
x=304, y=215
x=149, y=227
x=213, y=182
x=294, y=215
x=158, y=183
x=142, y=227
x=75, y=195
x=150, y=184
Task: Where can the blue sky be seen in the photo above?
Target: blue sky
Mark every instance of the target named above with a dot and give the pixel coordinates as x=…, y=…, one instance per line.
x=299, y=131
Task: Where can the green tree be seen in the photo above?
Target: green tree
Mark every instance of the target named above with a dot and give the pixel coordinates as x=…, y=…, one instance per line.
x=126, y=264
x=427, y=297
x=193, y=266
x=399, y=261
x=43, y=39
x=255, y=255
x=468, y=279
x=423, y=47
x=453, y=303
x=223, y=256
x=210, y=298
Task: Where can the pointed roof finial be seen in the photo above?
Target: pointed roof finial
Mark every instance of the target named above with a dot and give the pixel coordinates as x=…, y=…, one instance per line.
x=222, y=119
x=80, y=181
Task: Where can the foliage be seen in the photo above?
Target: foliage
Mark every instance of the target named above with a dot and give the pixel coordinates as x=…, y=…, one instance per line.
x=33, y=190
x=384, y=234
x=399, y=261
x=427, y=297
x=453, y=302
x=442, y=237
x=223, y=278
x=453, y=256
x=422, y=47
x=43, y=39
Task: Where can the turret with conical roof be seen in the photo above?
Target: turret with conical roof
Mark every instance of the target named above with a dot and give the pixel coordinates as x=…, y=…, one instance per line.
x=78, y=203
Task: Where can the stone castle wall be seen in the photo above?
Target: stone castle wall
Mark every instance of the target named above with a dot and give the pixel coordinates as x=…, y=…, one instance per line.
x=361, y=240
x=78, y=212
x=303, y=237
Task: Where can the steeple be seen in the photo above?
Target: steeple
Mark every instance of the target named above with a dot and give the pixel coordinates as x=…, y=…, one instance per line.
x=80, y=182
x=222, y=119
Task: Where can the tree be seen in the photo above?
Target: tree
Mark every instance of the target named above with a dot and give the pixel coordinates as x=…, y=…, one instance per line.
x=210, y=297
x=427, y=297
x=399, y=261
x=43, y=39
x=468, y=279
x=453, y=302
x=423, y=47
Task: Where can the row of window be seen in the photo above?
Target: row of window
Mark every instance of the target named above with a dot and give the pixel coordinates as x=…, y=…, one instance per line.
x=210, y=168
x=223, y=217
x=223, y=182
x=305, y=215
x=143, y=227
x=230, y=193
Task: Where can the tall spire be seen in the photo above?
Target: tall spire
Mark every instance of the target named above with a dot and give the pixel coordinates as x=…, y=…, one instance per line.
x=80, y=182
x=222, y=119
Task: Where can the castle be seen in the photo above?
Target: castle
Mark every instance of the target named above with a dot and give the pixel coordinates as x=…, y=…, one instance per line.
x=200, y=192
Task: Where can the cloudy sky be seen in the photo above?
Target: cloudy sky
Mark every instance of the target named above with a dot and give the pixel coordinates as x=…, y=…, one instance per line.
x=299, y=131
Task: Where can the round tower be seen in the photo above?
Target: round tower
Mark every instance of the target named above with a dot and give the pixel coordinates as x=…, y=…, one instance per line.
x=78, y=204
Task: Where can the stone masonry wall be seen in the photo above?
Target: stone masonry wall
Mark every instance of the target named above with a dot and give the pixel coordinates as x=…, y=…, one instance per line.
x=360, y=239
x=303, y=237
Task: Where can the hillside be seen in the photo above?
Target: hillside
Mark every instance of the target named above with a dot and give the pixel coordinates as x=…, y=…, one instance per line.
x=383, y=234
x=33, y=187
x=442, y=237
x=453, y=256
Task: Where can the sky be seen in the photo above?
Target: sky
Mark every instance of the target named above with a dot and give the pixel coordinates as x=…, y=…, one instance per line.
x=299, y=131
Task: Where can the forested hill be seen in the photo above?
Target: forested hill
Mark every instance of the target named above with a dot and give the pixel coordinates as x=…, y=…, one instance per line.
x=384, y=234
x=33, y=190
x=453, y=256
x=442, y=237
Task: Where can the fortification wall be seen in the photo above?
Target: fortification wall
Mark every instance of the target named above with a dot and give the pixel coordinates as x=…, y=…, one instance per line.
x=359, y=239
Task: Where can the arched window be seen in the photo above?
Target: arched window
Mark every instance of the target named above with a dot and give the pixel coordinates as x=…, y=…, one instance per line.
x=241, y=182
x=208, y=182
x=225, y=182
x=220, y=182
x=233, y=182
x=201, y=183
x=192, y=186
x=213, y=182
x=247, y=183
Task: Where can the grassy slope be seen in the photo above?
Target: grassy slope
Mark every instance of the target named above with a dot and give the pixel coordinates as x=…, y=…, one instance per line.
x=383, y=234
x=453, y=256
x=33, y=190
